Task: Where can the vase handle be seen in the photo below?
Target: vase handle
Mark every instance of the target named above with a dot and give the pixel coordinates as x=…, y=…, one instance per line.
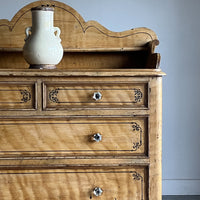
x=27, y=32
x=57, y=33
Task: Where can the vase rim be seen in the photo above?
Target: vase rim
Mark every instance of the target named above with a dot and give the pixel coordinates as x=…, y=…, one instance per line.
x=43, y=8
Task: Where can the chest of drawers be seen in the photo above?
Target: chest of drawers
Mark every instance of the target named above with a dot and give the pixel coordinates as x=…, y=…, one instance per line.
x=90, y=129
x=59, y=142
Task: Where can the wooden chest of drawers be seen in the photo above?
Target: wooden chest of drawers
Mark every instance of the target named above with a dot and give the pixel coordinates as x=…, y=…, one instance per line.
x=90, y=129
x=56, y=146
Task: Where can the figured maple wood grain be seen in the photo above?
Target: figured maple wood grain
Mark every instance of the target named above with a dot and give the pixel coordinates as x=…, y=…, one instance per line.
x=152, y=147
x=17, y=95
x=116, y=184
x=32, y=161
x=68, y=95
x=116, y=74
x=74, y=136
x=155, y=139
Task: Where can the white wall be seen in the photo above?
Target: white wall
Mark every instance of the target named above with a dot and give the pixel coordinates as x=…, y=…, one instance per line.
x=176, y=23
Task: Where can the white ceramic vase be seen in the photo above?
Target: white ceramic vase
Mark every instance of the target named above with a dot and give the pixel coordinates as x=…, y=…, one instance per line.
x=42, y=48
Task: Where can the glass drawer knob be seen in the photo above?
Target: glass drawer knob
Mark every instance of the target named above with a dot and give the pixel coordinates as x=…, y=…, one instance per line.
x=97, y=96
x=97, y=137
x=97, y=191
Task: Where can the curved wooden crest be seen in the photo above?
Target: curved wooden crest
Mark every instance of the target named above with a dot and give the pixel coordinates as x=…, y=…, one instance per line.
x=76, y=34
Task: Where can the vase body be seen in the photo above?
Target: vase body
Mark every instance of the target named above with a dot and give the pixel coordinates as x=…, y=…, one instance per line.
x=42, y=48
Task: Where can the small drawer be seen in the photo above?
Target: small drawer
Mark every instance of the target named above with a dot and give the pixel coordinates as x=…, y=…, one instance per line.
x=95, y=95
x=90, y=136
x=76, y=184
x=17, y=96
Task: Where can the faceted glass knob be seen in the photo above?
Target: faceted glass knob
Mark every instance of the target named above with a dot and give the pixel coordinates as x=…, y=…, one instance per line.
x=97, y=191
x=97, y=96
x=97, y=137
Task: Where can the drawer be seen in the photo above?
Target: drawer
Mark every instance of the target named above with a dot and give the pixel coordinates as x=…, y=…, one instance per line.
x=17, y=96
x=89, y=136
x=76, y=184
x=95, y=95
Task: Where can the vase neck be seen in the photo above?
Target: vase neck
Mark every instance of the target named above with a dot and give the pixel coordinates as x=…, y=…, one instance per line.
x=42, y=19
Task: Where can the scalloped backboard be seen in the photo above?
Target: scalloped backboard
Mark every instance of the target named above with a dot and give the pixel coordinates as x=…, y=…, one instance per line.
x=78, y=37
x=75, y=32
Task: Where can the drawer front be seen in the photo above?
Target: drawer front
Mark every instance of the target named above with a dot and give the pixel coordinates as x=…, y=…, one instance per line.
x=17, y=96
x=113, y=184
x=75, y=136
x=95, y=95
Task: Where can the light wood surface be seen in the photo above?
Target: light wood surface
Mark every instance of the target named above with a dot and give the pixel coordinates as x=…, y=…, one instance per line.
x=81, y=73
x=60, y=139
x=155, y=139
x=65, y=95
x=17, y=96
x=48, y=118
x=74, y=184
x=119, y=136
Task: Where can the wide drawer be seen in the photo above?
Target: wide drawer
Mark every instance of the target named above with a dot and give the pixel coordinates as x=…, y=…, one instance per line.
x=17, y=96
x=94, y=95
x=77, y=184
x=91, y=136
